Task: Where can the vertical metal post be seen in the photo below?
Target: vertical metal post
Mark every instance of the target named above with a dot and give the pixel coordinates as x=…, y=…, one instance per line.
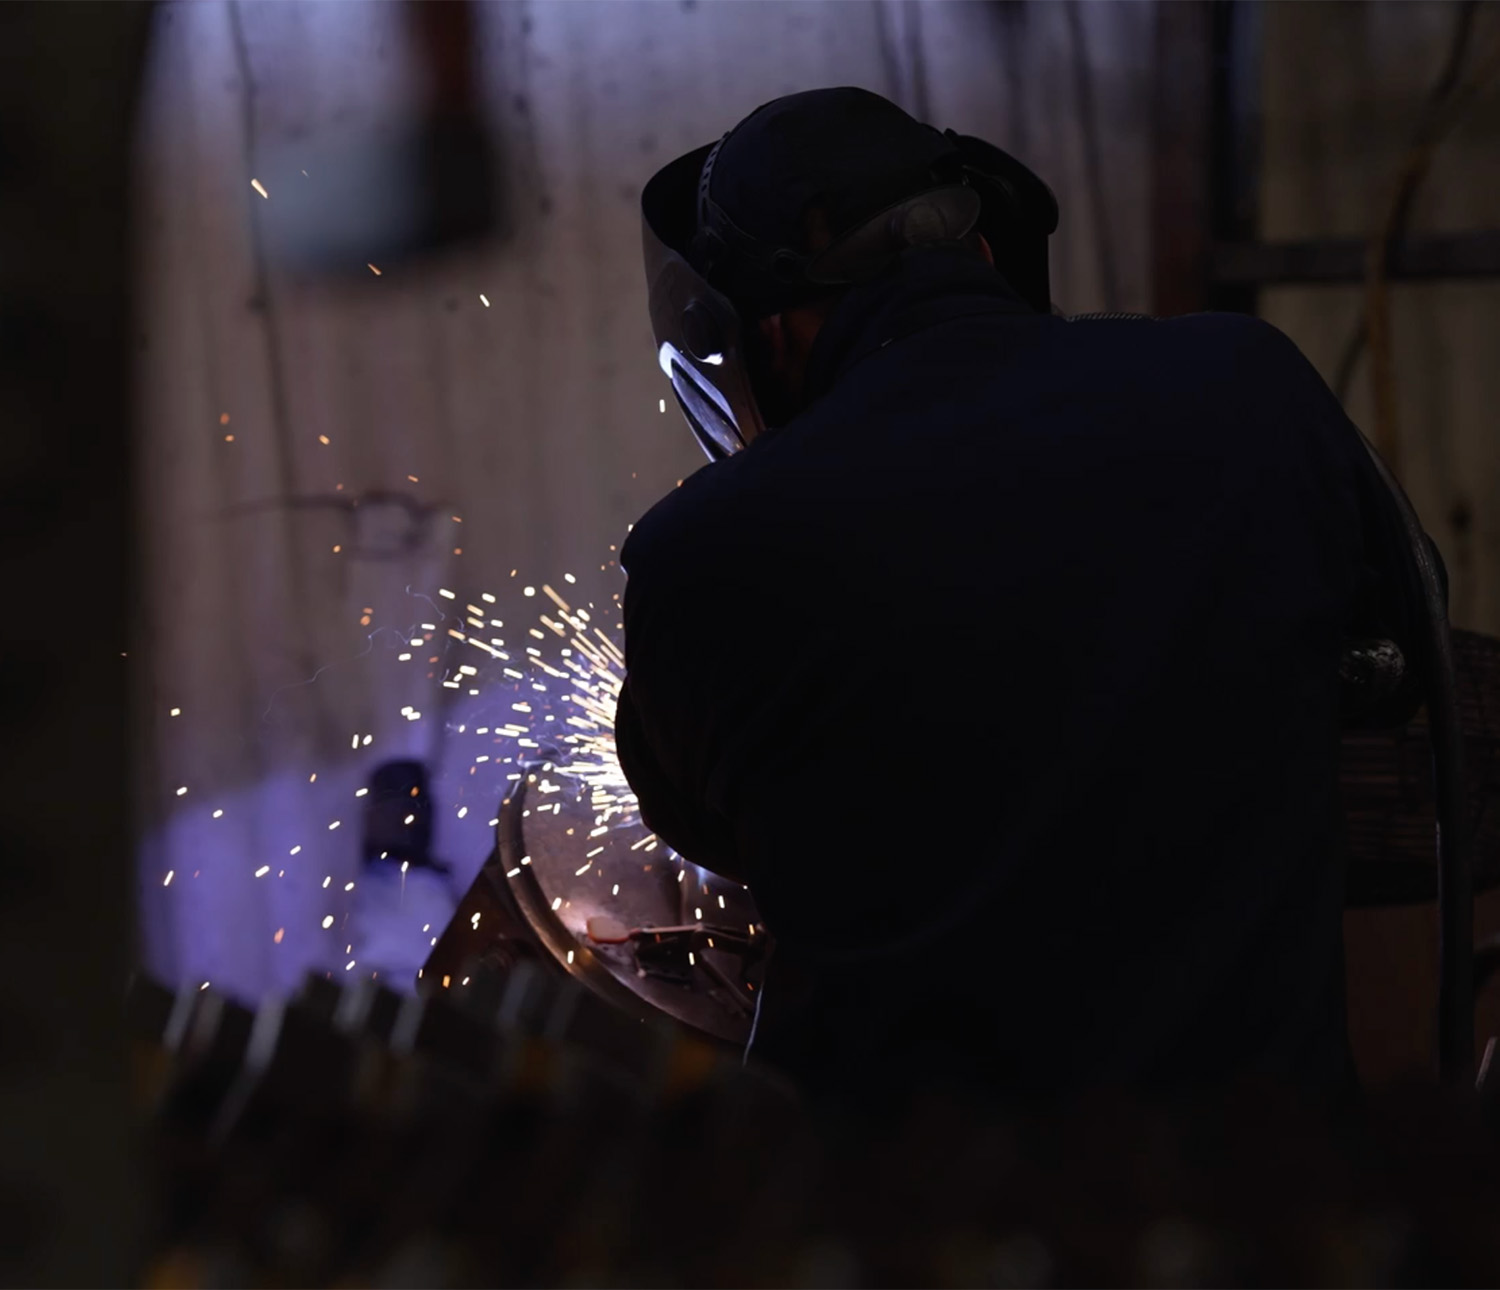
x=68, y=78
x=1235, y=129
x=1180, y=183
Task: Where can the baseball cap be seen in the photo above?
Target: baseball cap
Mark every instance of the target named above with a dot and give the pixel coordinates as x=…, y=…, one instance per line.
x=847, y=149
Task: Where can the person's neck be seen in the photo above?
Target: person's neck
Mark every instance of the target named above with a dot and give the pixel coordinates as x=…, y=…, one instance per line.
x=925, y=285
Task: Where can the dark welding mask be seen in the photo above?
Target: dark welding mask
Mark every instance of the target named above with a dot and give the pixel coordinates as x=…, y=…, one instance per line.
x=891, y=183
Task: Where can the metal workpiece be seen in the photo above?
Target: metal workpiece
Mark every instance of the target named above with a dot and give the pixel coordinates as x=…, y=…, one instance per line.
x=691, y=940
x=603, y=901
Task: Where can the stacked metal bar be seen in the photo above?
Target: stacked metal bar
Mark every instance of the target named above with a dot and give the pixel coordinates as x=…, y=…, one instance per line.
x=534, y=1135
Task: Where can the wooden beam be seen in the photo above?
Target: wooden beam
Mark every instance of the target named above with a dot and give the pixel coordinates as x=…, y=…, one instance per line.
x=1343, y=260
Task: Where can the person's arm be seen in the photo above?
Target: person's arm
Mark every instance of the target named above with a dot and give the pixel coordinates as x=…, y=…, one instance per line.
x=1390, y=603
x=671, y=715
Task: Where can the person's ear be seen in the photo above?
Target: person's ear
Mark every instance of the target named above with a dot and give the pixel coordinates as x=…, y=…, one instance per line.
x=774, y=331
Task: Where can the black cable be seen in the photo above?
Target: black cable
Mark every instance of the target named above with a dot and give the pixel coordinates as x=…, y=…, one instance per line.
x=1442, y=89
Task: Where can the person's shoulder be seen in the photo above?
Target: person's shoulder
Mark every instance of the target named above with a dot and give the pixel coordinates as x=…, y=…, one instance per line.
x=1245, y=360
x=682, y=525
x=1236, y=337
x=1211, y=345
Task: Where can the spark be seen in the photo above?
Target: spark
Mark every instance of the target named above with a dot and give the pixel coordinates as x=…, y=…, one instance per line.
x=176, y=712
x=260, y=188
x=571, y=680
x=263, y=871
x=167, y=881
x=484, y=300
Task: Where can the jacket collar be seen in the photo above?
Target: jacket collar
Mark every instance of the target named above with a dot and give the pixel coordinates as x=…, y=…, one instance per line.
x=927, y=285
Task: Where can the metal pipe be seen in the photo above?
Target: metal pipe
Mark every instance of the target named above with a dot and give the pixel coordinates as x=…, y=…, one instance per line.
x=1455, y=872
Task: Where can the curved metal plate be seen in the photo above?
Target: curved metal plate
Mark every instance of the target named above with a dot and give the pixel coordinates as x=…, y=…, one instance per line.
x=567, y=858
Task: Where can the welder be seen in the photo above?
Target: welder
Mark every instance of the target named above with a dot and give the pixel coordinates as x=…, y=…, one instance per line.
x=997, y=652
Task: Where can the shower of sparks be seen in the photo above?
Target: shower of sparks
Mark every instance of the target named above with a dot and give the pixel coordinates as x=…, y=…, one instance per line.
x=546, y=716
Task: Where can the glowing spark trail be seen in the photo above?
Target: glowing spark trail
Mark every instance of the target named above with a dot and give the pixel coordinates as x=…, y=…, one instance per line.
x=545, y=715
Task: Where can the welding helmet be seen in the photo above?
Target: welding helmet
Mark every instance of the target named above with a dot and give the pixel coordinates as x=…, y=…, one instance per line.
x=887, y=182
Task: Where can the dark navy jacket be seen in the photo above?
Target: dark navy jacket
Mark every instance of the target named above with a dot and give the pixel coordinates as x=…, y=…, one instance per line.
x=1006, y=676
